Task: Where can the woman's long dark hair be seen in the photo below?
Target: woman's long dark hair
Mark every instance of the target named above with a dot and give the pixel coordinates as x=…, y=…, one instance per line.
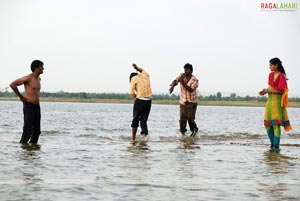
x=275, y=61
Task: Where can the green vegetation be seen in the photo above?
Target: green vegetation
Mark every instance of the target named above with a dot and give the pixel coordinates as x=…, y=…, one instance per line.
x=216, y=99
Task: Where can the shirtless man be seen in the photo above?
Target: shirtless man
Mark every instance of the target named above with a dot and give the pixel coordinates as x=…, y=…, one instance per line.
x=31, y=99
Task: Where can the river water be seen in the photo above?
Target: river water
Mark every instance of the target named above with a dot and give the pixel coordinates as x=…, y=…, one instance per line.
x=84, y=153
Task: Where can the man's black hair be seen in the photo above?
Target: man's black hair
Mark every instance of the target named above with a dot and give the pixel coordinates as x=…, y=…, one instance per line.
x=188, y=65
x=36, y=64
x=132, y=75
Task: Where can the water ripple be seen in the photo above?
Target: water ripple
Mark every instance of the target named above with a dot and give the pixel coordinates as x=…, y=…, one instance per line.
x=92, y=157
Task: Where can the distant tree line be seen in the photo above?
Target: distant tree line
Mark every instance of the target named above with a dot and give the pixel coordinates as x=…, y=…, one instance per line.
x=232, y=97
x=126, y=96
x=86, y=95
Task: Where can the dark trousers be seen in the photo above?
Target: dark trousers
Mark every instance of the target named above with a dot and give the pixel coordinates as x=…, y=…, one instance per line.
x=187, y=114
x=141, y=111
x=32, y=123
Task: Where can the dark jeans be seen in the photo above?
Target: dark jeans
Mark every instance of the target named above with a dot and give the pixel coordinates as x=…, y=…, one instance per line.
x=141, y=111
x=32, y=123
x=187, y=114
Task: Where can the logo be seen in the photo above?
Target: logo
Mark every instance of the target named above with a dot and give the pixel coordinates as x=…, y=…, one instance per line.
x=283, y=6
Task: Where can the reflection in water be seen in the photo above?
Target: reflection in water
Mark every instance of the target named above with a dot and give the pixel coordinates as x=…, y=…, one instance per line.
x=138, y=145
x=30, y=153
x=31, y=147
x=276, y=162
x=278, y=165
x=30, y=156
x=187, y=168
x=189, y=143
x=135, y=171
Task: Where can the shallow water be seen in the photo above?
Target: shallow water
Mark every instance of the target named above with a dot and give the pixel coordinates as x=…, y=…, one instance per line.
x=84, y=153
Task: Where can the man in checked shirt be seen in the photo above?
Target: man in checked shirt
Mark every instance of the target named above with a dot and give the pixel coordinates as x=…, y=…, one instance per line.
x=188, y=99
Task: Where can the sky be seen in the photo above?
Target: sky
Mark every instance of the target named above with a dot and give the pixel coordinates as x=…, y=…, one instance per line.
x=89, y=45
